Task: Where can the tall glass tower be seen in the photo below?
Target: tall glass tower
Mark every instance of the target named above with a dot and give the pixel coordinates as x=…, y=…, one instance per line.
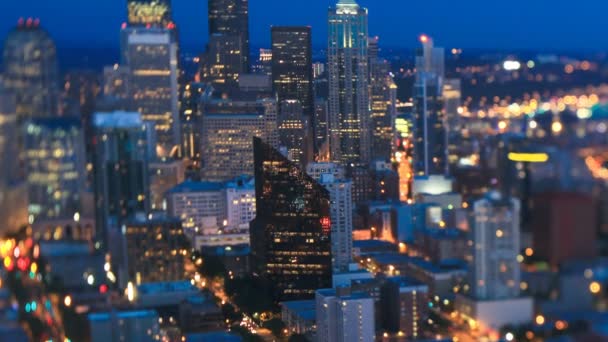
x=430, y=133
x=291, y=234
x=30, y=70
x=348, y=66
x=231, y=18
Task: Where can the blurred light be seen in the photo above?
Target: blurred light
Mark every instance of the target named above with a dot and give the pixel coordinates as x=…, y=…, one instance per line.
x=502, y=125
x=556, y=127
x=531, y=64
x=509, y=336
x=533, y=124
x=595, y=287
x=528, y=157
x=584, y=113
x=131, y=293
x=67, y=301
x=540, y=320
x=90, y=279
x=529, y=252
x=510, y=65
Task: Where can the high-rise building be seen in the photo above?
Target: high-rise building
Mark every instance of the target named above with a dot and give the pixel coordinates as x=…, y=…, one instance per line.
x=152, y=58
x=292, y=69
x=121, y=170
x=348, y=67
x=194, y=202
x=343, y=315
x=495, y=271
x=156, y=248
x=164, y=175
x=430, y=133
x=54, y=163
x=191, y=120
x=30, y=70
x=291, y=234
x=222, y=64
x=227, y=137
x=240, y=202
x=293, y=131
x=381, y=121
x=341, y=208
x=148, y=12
x=231, y=18
x=13, y=190
x=116, y=82
x=321, y=123
x=404, y=304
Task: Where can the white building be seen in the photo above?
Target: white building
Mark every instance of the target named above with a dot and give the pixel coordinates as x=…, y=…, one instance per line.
x=240, y=203
x=343, y=316
x=193, y=202
x=341, y=212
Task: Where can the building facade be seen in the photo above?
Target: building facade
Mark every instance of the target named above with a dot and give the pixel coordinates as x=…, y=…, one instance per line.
x=291, y=234
x=344, y=316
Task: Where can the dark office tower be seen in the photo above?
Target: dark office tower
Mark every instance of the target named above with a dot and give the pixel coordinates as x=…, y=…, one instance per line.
x=430, y=133
x=149, y=12
x=152, y=57
x=155, y=248
x=381, y=131
x=191, y=120
x=293, y=131
x=347, y=64
x=321, y=129
x=231, y=18
x=54, y=164
x=222, y=64
x=30, y=70
x=121, y=170
x=292, y=67
x=290, y=236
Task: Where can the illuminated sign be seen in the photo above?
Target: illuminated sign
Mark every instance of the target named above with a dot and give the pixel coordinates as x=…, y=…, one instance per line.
x=529, y=157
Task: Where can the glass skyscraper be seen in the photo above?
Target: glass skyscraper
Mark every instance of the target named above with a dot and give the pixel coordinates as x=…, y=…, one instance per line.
x=30, y=70
x=54, y=164
x=291, y=234
x=347, y=63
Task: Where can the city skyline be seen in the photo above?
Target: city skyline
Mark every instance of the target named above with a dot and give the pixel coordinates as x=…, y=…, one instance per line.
x=520, y=25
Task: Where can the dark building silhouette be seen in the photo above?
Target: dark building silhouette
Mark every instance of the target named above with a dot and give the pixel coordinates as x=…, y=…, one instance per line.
x=231, y=18
x=290, y=236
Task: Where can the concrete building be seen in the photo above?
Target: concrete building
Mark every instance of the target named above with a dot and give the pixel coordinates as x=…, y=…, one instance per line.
x=299, y=316
x=193, y=201
x=164, y=175
x=344, y=316
x=240, y=202
x=118, y=326
x=404, y=304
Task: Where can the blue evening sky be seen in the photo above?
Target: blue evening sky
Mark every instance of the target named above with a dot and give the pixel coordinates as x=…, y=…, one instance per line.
x=513, y=24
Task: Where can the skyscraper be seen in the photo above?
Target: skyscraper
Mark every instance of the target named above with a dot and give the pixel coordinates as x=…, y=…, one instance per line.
x=290, y=236
x=227, y=137
x=347, y=63
x=191, y=120
x=430, y=133
x=121, y=170
x=148, y=12
x=54, y=163
x=381, y=132
x=30, y=70
x=293, y=132
x=231, y=18
x=495, y=271
x=152, y=58
x=292, y=70
x=341, y=208
x=344, y=316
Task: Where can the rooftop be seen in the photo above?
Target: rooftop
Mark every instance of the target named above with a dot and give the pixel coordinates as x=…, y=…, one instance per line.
x=164, y=287
x=105, y=316
x=194, y=186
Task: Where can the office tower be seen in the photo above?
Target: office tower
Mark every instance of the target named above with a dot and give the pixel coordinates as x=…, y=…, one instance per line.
x=231, y=18
x=164, y=175
x=452, y=97
x=30, y=70
x=264, y=63
x=381, y=83
x=121, y=170
x=495, y=271
x=292, y=126
x=564, y=227
x=191, y=120
x=291, y=234
x=149, y=12
x=321, y=123
x=227, y=139
x=430, y=133
x=118, y=326
x=341, y=209
x=116, y=82
x=347, y=63
x=193, y=202
x=292, y=69
x=156, y=248
x=223, y=63
x=13, y=191
x=151, y=55
x=240, y=202
x=404, y=303
x=343, y=315
x=54, y=164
